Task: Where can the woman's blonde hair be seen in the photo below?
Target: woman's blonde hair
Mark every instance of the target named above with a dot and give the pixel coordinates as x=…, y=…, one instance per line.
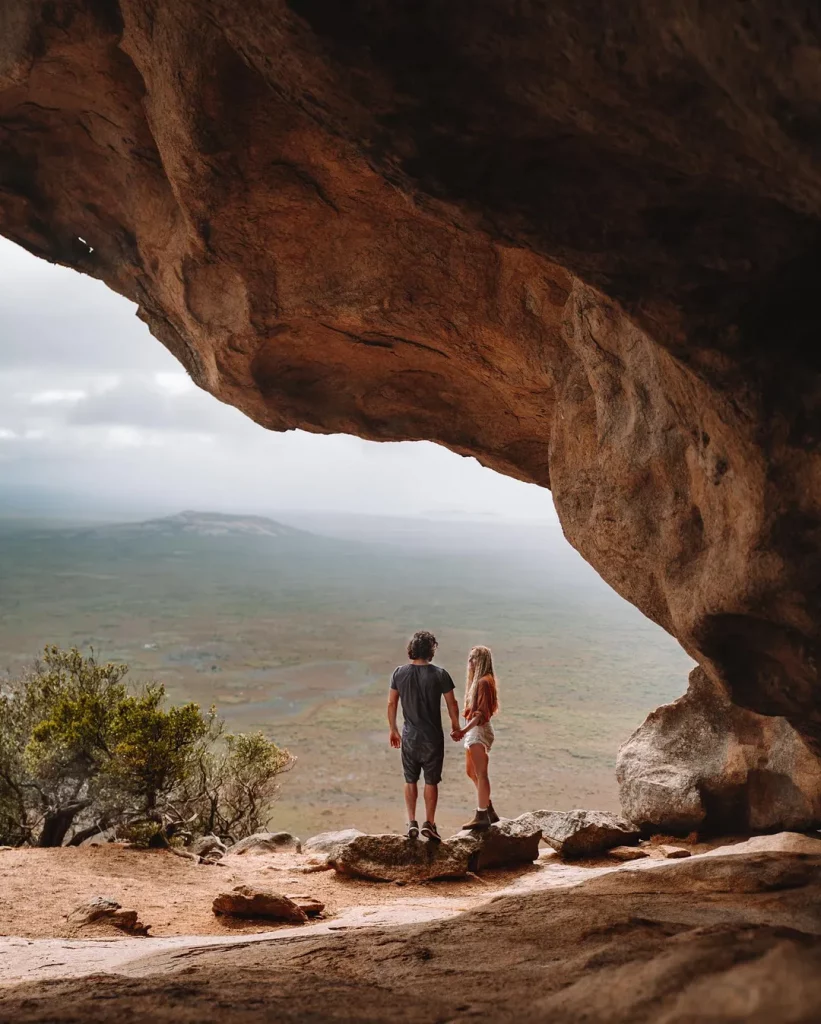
x=480, y=666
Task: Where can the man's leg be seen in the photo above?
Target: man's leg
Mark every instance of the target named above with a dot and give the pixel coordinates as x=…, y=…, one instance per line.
x=411, y=796
x=431, y=800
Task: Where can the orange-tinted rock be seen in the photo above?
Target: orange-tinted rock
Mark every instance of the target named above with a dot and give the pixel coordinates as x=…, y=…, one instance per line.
x=578, y=244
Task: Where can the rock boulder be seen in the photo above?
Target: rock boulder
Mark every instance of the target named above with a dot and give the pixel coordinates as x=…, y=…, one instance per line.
x=209, y=846
x=701, y=763
x=101, y=912
x=580, y=833
x=392, y=858
x=265, y=842
x=325, y=844
x=249, y=901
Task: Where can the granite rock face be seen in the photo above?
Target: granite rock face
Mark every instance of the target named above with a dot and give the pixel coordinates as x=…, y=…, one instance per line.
x=580, y=244
x=701, y=763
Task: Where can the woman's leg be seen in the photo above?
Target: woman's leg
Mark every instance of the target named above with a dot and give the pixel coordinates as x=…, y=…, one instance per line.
x=479, y=763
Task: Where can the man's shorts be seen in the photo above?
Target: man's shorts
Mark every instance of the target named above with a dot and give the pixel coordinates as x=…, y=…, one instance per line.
x=423, y=754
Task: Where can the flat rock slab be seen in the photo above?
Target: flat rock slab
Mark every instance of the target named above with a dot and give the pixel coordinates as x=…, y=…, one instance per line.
x=672, y=852
x=248, y=901
x=579, y=833
x=392, y=858
x=626, y=853
x=265, y=842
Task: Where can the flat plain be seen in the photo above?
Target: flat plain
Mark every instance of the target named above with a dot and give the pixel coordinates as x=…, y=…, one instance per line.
x=294, y=628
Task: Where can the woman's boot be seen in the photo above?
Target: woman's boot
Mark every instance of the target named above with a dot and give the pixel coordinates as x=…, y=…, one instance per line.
x=494, y=817
x=481, y=819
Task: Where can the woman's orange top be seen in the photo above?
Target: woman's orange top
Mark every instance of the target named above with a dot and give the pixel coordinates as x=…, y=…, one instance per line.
x=485, y=700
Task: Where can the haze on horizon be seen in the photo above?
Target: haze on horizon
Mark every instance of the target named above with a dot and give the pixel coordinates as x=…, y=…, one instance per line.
x=97, y=419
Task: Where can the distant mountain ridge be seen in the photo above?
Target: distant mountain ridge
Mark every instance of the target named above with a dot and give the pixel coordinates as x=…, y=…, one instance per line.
x=209, y=524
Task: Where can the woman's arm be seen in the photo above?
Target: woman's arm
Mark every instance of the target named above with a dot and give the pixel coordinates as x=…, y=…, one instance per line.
x=479, y=713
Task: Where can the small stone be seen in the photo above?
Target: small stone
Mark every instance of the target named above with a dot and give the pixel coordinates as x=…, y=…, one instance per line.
x=672, y=852
x=627, y=853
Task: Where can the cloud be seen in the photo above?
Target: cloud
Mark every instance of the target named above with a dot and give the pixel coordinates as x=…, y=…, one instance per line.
x=91, y=403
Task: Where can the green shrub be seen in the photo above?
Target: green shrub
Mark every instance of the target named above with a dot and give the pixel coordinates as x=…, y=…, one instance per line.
x=81, y=753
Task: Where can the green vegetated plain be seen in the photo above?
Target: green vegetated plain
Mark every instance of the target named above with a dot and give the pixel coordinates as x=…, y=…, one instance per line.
x=295, y=632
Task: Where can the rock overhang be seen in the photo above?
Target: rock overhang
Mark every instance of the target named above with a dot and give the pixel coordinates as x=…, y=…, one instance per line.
x=580, y=248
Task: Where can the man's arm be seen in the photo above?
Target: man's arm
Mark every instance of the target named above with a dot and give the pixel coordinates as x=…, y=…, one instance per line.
x=453, y=711
x=393, y=705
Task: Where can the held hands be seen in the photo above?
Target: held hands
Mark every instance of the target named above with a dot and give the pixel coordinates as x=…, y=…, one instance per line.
x=395, y=739
x=457, y=734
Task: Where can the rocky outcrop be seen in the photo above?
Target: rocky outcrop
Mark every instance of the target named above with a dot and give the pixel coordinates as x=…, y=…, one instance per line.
x=576, y=834
x=703, y=764
x=249, y=901
x=265, y=843
x=392, y=858
x=579, y=244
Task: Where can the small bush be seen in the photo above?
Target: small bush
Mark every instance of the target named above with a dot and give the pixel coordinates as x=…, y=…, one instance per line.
x=81, y=753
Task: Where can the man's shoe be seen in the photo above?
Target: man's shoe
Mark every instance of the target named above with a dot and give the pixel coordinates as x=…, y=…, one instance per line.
x=413, y=830
x=481, y=819
x=494, y=817
x=431, y=833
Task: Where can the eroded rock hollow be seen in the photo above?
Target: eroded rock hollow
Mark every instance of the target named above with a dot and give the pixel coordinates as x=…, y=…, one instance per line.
x=578, y=242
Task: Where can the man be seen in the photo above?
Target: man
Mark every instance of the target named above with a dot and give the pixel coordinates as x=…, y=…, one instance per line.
x=420, y=686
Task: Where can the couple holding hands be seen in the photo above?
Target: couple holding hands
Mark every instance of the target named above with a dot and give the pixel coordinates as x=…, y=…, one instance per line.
x=419, y=687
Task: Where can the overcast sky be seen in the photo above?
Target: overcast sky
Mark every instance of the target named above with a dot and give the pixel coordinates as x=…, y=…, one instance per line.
x=93, y=407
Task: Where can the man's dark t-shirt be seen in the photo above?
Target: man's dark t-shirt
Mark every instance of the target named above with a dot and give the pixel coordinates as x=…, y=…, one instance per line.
x=420, y=690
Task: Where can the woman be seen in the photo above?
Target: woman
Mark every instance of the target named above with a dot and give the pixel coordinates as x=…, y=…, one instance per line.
x=481, y=704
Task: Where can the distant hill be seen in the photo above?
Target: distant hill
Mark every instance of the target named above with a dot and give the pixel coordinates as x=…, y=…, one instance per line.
x=208, y=524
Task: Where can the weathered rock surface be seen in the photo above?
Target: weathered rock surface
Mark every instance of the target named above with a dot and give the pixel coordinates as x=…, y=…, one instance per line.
x=735, y=937
x=392, y=858
x=579, y=244
x=101, y=912
x=248, y=901
x=702, y=763
x=265, y=842
x=582, y=833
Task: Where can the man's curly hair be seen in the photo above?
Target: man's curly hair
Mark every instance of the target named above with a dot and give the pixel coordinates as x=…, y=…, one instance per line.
x=422, y=646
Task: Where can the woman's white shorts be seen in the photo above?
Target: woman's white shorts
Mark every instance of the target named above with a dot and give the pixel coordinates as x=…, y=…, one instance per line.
x=480, y=734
